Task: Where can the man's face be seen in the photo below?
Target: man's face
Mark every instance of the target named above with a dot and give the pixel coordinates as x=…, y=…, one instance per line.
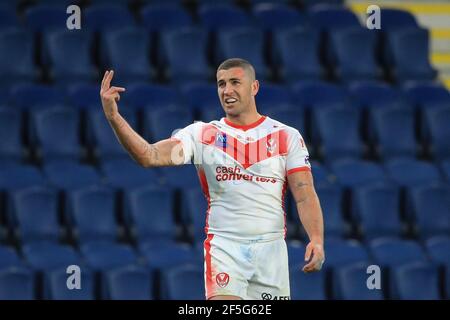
x=236, y=90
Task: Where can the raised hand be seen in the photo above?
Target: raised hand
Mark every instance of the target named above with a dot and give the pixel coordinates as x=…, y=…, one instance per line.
x=110, y=95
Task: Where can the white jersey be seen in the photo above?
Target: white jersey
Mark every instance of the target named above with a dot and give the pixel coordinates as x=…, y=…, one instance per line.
x=243, y=173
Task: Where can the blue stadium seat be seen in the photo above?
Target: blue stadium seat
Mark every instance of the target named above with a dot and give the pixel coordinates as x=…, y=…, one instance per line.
x=426, y=94
x=55, y=285
x=105, y=17
x=431, y=209
x=83, y=96
x=445, y=166
x=92, y=213
x=17, y=56
x=394, y=122
x=212, y=113
x=9, y=257
x=319, y=94
x=332, y=17
x=393, y=252
x=331, y=200
x=438, y=248
x=130, y=283
x=128, y=54
x=11, y=127
x=437, y=120
x=17, y=284
x=246, y=43
x=321, y=175
x=394, y=19
x=297, y=44
x=373, y=94
x=307, y=286
x=159, y=124
x=416, y=281
x=150, y=213
x=64, y=45
x=216, y=16
x=32, y=96
x=161, y=255
x=341, y=252
x=101, y=135
x=35, y=212
x=69, y=175
x=125, y=173
x=165, y=16
x=410, y=172
x=354, y=173
x=8, y=16
x=354, y=54
x=18, y=176
x=350, y=283
x=200, y=96
x=45, y=16
x=104, y=256
x=289, y=115
x=182, y=177
x=195, y=212
x=410, y=54
x=181, y=44
x=57, y=133
x=185, y=282
x=275, y=16
x=377, y=210
x=296, y=254
x=338, y=129
x=150, y=96
x=273, y=95
x=45, y=256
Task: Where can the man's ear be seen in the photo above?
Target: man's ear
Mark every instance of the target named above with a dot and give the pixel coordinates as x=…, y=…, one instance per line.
x=255, y=87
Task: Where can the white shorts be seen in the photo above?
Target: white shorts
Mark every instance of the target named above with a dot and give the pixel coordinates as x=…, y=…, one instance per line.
x=247, y=269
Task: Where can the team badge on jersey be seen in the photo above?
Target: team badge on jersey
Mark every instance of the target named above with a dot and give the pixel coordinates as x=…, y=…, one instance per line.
x=271, y=145
x=222, y=279
x=221, y=140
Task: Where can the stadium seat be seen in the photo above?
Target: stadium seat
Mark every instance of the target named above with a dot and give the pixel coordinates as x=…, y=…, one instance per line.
x=218, y=16
x=332, y=17
x=67, y=175
x=125, y=173
x=200, y=96
x=291, y=116
x=106, y=17
x=104, y=256
x=17, y=49
x=293, y=45
x=55, y=285
x=307, y=286
x=33, y=96
x=183, y=282
x=344, y=252
x=83, y=96
x=11, y=127
x=182, y=177
x=161, y=123
x=57, y=133
x=92, y=214
x=445, y=166
x=321, y=175
x=410, y=54
x=416, y=281
x=128, y=54
x=181, y=45
x=410, y=172
x=246, y=43
x=165, y=16
x=35, y=210
x=212, y=113
x=431, y=209
x=318, y=94
x=394, y=122
x=102, y=137
x=9, y=257
x=45, y=256
x=377, y=210
x=130, y=283
x=394, y=19
x=8, y=16
x=354, y=173
x=338, y=129
x=275, y=16
x=437, y=120
x=195, y=212
x=374, y=95
x=426, y=94
x=161, y=255
x=45, y=16
x=18, y=176
x=65, y=45
x=354, y=54
x=16, y=284
x=393, y=252
x=438, y=248
x=150, y=213
x=150, y=96
x=350, y=283
x=272, y=96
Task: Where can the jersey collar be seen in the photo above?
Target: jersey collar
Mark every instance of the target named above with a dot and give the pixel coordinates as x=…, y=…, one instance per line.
x=246, y=127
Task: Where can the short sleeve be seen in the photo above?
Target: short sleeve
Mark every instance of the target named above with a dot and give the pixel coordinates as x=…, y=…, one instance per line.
x=297, y=156
x=186, y=137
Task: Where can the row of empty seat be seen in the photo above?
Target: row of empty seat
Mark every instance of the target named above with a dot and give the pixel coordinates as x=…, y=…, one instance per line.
x=297, y=47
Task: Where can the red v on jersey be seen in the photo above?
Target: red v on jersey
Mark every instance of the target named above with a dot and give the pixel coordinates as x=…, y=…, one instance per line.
x=246, y=154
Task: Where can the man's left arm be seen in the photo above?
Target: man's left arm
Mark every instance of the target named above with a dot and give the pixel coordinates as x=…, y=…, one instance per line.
x=308, y=207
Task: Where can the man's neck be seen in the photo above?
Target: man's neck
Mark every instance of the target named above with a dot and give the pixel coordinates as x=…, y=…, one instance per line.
x=244, y=119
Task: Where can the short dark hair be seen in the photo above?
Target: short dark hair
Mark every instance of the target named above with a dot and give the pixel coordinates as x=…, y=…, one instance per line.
x=238, y=63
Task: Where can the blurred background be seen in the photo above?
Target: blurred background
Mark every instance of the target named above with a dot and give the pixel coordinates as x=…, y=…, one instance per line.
x=372, y=105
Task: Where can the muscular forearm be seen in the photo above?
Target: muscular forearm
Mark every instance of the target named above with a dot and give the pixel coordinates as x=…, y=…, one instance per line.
x=140, y=150
x=310, y=215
